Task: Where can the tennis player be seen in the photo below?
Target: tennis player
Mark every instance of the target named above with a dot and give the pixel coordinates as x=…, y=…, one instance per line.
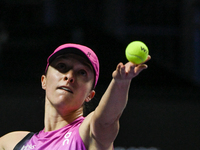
x=69, y=81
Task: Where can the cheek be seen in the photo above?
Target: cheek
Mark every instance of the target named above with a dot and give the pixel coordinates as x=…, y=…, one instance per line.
x=51, y=82
x=86, y=84
x=85, y=89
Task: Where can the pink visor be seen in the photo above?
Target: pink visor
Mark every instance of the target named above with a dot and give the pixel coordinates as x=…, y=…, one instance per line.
x=78, y=49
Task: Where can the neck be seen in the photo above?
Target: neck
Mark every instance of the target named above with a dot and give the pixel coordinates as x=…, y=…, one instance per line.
x=56, y=119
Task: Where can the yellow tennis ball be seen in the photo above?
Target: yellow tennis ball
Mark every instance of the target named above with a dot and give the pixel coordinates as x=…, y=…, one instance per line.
x=136, y=52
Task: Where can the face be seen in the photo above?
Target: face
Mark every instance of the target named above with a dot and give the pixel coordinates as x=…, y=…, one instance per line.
x=68, y=82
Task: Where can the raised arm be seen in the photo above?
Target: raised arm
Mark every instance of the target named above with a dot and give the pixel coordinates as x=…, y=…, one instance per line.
x=105, y=120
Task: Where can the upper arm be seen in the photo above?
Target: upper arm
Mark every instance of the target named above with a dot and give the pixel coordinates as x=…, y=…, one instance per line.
x=104, y=133
x=10, y=140
x=95, y=134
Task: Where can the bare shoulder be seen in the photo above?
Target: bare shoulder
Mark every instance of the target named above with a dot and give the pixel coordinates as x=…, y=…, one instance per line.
x=10, y=140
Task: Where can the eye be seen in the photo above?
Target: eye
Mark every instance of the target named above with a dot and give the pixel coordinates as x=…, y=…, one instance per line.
x=83, y=72
x=61, y=66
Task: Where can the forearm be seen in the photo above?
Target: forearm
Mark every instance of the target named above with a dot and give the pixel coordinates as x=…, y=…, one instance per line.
x=113, y=101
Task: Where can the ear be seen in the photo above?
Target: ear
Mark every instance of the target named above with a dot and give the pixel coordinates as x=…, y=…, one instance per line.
x=43, y=82
x=91, y=95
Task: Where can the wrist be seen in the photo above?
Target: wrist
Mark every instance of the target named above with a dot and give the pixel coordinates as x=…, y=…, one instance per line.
x=122, y=83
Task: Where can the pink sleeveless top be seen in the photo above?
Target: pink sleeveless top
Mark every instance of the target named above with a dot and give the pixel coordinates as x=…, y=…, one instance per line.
x=66, y=138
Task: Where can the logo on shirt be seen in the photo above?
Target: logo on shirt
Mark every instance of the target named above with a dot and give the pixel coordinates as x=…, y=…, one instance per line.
x=67, y=136
x=28, y=147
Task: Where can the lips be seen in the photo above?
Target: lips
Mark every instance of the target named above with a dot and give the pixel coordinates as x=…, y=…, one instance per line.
x=65, y=88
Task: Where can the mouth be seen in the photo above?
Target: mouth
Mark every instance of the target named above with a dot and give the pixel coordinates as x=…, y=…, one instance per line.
x=66, y=89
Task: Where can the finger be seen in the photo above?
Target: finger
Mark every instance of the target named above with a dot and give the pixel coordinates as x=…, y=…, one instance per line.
x=130, y=64
x=118, y=68
x=122, y=70
x=148, y=58
x=139, y=68
x=130, y=68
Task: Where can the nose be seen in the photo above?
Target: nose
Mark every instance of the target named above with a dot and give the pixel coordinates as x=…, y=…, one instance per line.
x=69, y=76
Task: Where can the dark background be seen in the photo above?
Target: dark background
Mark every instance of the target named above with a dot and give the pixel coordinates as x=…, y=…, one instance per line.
x=164, y=106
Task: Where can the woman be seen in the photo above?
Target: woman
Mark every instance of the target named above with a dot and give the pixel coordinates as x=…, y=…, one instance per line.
x=71, y=75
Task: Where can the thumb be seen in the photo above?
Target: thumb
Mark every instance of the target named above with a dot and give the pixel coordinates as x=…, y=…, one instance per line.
x=139, y=68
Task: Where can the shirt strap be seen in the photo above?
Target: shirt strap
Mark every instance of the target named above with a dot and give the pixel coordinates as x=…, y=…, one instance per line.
x=23, y=141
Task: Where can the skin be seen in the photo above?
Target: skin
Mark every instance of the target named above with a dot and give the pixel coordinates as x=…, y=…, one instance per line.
x=100, y=128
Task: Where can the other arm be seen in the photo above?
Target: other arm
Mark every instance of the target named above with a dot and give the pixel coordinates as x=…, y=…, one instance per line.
x=10, y=140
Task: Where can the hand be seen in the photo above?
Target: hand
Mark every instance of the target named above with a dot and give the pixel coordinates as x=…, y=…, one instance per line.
x=129, y=70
